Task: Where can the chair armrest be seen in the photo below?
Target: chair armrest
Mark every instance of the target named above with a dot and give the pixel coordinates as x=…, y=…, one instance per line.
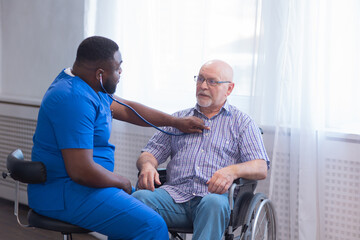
x=240, y=192
x=25, y=171
x=243, y=182
x=246, y=184
x=162, y=176
x=241, y=185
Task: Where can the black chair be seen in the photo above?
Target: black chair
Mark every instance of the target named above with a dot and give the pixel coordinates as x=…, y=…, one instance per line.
x=33, y=173
x=252, y=215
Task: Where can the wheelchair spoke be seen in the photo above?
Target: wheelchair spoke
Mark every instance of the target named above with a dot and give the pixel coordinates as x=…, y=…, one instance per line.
x=265, y=223
x=258, y=229
x=241, y=237
x=266, y=227
x=259, y=222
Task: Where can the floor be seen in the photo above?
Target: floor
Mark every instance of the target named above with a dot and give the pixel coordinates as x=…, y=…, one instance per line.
x=10, y=229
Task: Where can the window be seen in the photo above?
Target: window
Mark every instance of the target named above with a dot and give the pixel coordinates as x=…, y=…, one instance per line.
x=164, y=44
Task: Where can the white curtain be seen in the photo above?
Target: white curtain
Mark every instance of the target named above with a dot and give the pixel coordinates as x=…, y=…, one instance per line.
x=296, y=73
x=165, y=42
x=308, y=83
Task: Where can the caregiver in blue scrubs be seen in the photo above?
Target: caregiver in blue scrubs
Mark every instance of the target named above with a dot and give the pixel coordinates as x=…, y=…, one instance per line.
x=72, y=140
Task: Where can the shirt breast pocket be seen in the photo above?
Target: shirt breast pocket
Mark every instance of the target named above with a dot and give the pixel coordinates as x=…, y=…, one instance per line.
x=225, y=148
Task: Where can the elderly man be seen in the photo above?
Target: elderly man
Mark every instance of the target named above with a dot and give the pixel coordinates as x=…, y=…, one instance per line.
x=203, y=165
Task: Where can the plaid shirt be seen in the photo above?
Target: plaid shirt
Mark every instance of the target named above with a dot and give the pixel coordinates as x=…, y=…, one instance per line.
x=233, y=138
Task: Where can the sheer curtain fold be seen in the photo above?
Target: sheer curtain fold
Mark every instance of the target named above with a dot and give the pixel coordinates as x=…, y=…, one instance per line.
x=299, y=56
x=294, y=120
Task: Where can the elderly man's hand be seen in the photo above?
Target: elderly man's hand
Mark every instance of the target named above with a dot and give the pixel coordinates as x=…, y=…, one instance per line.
x=147, y=177
x=221, y=181
x=190, y=124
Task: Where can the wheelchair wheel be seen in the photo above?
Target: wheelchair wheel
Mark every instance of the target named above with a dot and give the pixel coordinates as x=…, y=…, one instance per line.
x=260, y=222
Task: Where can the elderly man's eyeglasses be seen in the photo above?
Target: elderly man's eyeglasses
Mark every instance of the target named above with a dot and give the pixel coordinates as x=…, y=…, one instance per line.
x=209, y=81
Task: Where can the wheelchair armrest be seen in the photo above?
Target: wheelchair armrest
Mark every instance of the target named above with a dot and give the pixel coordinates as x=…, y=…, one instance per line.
x=162, y=171
x=241, y=185
x=243, y=182
x=162, y=176
x=240, y=192
x=248, y=184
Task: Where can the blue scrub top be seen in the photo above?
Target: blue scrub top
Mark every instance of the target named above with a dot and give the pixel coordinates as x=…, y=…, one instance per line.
x=71, y=115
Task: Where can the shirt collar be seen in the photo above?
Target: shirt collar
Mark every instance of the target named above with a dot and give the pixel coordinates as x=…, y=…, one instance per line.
x=68, y=72
x=225, y=107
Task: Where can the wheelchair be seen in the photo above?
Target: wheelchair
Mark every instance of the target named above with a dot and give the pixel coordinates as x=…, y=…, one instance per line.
x=252, y=216
x=33, y=173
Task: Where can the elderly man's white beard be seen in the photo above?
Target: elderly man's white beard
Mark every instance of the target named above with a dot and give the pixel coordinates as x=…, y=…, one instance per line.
x=203, y=103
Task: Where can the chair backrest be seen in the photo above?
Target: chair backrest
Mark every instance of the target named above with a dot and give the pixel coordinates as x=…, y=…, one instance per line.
x=25, y=171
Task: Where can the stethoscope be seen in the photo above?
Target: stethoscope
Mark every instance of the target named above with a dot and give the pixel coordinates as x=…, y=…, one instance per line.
x=147, y=122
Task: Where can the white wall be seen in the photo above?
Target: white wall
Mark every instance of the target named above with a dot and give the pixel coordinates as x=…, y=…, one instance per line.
x=38, y=39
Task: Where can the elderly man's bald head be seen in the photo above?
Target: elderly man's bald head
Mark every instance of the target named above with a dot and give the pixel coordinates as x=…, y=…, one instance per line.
x=222, y=68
